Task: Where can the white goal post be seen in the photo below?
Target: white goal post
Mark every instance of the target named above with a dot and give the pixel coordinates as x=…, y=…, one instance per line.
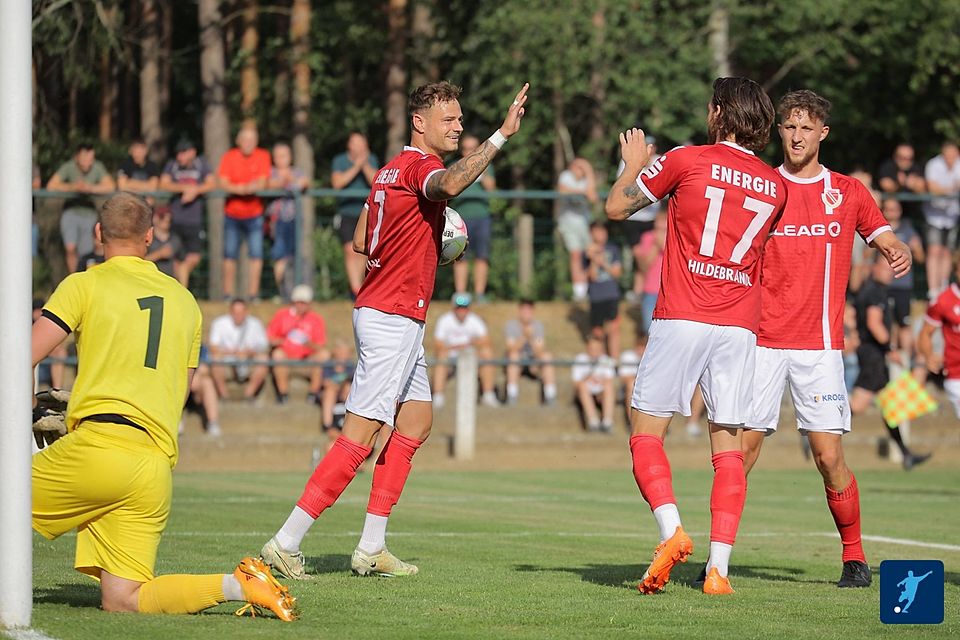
x=16, y=597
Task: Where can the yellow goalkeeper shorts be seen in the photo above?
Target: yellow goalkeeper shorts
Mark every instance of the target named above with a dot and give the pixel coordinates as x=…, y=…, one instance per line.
x=112, y=484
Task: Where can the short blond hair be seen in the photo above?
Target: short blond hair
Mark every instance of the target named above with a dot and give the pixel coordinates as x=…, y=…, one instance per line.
x=125, y=216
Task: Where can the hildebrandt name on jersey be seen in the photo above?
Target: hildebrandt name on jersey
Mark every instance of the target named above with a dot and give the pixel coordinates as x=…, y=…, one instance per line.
x=719, y=273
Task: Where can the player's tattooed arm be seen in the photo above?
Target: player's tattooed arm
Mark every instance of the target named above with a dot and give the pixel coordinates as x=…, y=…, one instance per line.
x=624, y=201
x=448, y=184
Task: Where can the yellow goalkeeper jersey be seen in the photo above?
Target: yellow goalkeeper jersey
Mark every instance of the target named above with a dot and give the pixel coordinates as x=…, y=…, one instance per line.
x=137, y=332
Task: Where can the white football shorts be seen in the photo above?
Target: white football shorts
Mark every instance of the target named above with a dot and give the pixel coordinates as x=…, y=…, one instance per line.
x=682, y=353
x=391, y=367
x=952, y=387
x=815, y=378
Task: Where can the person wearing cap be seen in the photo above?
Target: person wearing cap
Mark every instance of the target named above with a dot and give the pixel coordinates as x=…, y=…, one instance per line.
x=298, y=333
x=189, y=178
x=456, y=330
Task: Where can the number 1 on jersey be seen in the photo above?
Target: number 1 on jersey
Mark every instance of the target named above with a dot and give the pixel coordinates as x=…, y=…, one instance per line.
x=153, y=304
x=379, y=198
x=712, y=223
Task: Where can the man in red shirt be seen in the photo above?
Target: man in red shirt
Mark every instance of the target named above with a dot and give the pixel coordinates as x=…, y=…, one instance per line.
x=944, y=314
x=243, y=171
x=399, y=231
x=298, y=333
x=806, y=266
x=723, y=203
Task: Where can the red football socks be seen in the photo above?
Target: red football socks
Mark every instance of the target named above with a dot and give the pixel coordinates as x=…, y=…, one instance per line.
x=651, y=469
x=332, y=475
x=845, y=508
x=390, y=474
x=727, y=497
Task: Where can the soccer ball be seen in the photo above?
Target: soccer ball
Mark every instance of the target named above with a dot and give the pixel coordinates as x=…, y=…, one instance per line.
x=453, y=241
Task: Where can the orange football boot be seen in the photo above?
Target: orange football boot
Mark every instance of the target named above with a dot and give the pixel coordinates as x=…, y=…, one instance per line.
x=668, y=553
x=262, y=591
x=716, y=584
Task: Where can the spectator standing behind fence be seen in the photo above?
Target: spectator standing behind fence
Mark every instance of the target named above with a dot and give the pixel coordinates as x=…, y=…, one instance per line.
x=298, y=333
x=456, y=330
x=901, y=289
x=138, y=173
x=526, y=340
x=283, y=213
x=601, y=261
x=902, y=174
x=649, y=257
x=475, y=211
x=189, y=178
x=593, y=373
x=243, y=171
x=578, y=183
x=166, y=247
x=84, y=175
x=238, y=342
x=354, y=169
x=942, y=213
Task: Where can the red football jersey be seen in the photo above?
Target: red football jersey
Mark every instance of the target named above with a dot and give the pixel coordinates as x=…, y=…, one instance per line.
x=723, y=203
x=806, y=264
x=945, y=313
x=403, y=236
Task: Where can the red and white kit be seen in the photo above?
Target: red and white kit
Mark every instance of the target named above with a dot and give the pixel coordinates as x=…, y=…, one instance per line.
x=945, y=313
x=806, y=267
x=723, y=203
x=402, y=247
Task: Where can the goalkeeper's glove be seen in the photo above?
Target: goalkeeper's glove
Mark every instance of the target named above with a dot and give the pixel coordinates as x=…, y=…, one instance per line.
x=49, y=419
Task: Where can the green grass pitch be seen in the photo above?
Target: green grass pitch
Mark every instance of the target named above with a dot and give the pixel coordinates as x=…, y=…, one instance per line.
x=533, y=555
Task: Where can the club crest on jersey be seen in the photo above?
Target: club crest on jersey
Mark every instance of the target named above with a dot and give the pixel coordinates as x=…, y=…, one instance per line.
x=832, y=198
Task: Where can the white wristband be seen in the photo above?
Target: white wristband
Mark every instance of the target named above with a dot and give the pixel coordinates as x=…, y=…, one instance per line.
x=497, y=139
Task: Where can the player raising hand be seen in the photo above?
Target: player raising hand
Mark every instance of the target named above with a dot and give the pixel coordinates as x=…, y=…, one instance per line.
x=399, y=232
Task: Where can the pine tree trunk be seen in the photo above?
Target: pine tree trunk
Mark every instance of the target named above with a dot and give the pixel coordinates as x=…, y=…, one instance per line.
x=166, y=54
x=150, y=104
x=396, y=78
x=216, y=127
x=302, y=148
x=598, y=86
x=424, y=32
x=249, y=75
x=719, y=38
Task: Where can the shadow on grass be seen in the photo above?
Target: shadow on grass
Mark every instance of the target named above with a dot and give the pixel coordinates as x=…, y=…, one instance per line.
x=627, y=576
x=952, y=577
x=71, y=594
x=329, y=563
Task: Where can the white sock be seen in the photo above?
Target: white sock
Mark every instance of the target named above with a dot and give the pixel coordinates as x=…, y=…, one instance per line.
x=489, y=395
x=579, y=289
x=513, y=390
x=294, y=530
x=374, y=536
x=549, y=391
x=719, y=557
x=668, y=519
x=438, y=400
x=231, y=588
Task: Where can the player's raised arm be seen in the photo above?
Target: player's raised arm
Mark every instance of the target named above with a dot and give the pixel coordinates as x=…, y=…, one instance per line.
x=448, y=184
x=625, y=197
x=897, y=254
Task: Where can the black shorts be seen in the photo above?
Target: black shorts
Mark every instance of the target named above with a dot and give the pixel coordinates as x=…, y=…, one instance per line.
x=901, y=299
x=873, y=375
x=942, y=237
x=478, y=232
x=191, y=235
x=603, y=312
x=348, y=224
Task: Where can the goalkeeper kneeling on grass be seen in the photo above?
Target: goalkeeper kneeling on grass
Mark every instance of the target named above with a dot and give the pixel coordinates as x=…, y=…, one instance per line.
x=110, y=474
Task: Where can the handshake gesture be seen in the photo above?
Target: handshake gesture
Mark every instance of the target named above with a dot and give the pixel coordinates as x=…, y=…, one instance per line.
x=49, y=416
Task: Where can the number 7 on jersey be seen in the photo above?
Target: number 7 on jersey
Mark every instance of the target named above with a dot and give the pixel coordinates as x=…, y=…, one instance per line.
x=712, y=223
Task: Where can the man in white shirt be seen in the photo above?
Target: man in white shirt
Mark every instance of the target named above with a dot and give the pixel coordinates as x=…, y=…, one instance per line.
x=456, y=330
x=239, y=337
x=942, y=213
x=593, y=374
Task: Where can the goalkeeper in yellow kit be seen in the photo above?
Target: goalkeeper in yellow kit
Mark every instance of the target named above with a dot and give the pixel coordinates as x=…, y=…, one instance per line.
x=138, y=339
